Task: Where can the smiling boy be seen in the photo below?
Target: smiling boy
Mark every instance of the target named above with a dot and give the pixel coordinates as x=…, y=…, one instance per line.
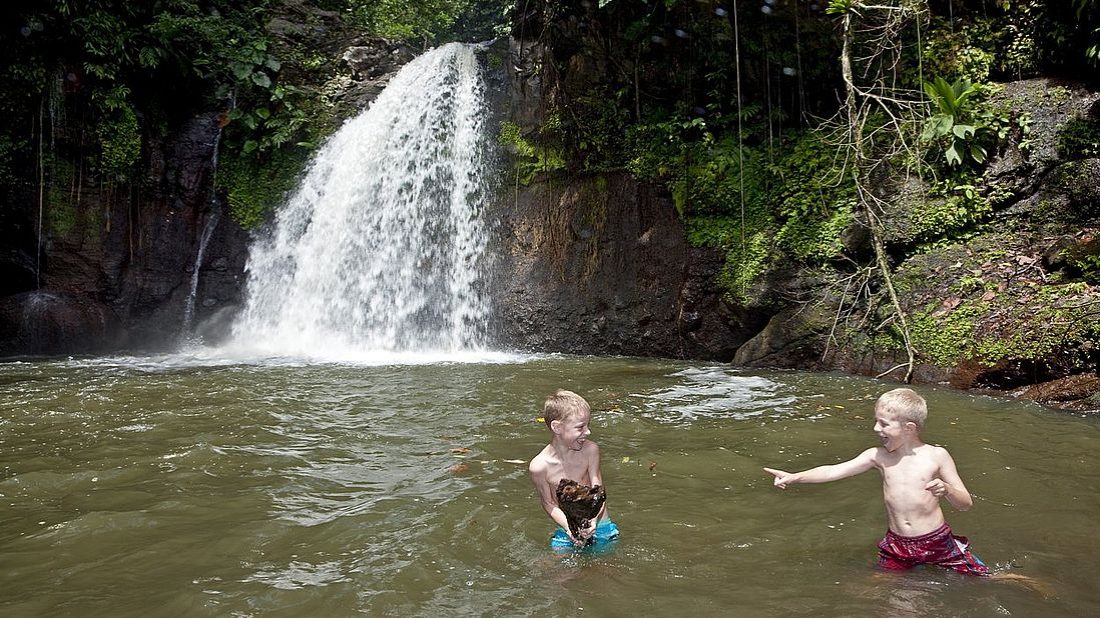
x=570, y=455
x=915, y=476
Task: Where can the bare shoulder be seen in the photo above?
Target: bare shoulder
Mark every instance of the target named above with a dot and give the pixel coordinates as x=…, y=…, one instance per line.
x=591, y=451
x=539, y=463
x=873, y=455
x=941, y=455
x=937, y=453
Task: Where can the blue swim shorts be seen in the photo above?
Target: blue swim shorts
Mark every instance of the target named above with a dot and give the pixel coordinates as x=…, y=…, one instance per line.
x=606, y=532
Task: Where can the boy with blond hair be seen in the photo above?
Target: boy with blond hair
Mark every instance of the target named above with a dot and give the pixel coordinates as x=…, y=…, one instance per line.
x=570, y=455
x=915, y=476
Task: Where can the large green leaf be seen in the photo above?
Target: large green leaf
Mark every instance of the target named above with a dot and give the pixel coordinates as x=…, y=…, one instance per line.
x=953, y=157
x=938, y=126
x=963, y=131
x=977, y=153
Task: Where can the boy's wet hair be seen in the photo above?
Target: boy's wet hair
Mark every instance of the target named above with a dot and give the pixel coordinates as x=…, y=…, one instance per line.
x=563, y=405
x=905, y=404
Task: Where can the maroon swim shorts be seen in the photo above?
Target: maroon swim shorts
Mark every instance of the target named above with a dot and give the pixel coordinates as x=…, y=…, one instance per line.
x=938, y=547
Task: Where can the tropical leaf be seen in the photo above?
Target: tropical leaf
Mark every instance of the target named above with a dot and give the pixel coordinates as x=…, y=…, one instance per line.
x=963, y=131
x=977, y=153
x=952, y=155
x=938, y=126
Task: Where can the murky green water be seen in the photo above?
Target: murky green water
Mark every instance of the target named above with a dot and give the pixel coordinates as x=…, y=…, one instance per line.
x=157, y=487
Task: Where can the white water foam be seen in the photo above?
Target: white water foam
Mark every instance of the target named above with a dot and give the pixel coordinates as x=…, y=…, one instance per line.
x=716, y=393
x=380, y=255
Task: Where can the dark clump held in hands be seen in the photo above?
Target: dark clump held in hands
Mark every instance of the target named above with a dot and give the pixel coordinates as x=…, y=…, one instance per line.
x=580, y=503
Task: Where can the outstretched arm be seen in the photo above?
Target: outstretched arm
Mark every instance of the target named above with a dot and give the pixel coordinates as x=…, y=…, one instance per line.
x=823, y=474
x=949, y=484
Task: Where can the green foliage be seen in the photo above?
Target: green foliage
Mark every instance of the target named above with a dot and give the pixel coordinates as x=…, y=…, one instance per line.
x=1019, y=48
x=704, y=174
x=953, y=208
x=1089, y=265
x=119, y=142
x=1079, y=138
x=746, y=257
x=840, y=7
x=962, y=51
x=429, y=20
x=814, y=198
x=797, y=201
x=745, y=262
x=1025, y=328
x=281, y=115
x=254, y=185
x=61, y=212
x=955, y=127
x=595, y=129
x=531, y=158
x=1085, y=9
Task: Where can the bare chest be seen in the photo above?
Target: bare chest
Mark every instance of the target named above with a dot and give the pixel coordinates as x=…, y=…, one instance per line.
x=572, y=470
x=909, y=473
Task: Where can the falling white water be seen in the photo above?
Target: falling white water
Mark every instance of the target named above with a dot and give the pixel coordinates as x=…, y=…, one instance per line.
x=382, y=247
x=189, y=307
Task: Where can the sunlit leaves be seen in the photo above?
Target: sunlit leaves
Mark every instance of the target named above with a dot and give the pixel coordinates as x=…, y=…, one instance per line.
x=956, y=127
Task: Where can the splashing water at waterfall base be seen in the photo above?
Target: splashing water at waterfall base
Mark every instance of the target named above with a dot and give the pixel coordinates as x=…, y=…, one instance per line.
x=381, y=250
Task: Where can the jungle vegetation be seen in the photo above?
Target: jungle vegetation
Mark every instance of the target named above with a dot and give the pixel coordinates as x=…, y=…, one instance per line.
x=771, y=123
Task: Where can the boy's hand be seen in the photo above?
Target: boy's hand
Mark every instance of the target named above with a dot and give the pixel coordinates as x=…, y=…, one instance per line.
x=937, y=487
x=781, y=477
x=586, y=533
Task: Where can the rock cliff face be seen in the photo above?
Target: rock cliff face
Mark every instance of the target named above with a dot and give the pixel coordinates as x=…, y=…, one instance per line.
x=116, y=268
x=602, y=266
x=117, y=273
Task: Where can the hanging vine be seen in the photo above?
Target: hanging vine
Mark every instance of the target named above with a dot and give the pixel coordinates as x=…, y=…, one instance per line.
x=874, y=128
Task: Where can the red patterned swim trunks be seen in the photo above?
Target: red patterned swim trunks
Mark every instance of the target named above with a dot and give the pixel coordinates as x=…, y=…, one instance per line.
x=938, y=547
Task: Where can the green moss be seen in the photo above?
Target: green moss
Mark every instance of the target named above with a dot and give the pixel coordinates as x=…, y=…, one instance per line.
x=256, y=186
x=1079, y=138
x=61, y=213
x=119, y=144
x=1010, y=327
x=954, y=207
x=532, y=158
x=944, y=339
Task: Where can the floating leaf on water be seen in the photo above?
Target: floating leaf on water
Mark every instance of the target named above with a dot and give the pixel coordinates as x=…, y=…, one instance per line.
x=626, y=460
x=652, y=465
x=460, y=450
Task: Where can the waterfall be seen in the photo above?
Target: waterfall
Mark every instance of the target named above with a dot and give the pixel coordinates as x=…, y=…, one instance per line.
x=382, y=246
x=207, y=232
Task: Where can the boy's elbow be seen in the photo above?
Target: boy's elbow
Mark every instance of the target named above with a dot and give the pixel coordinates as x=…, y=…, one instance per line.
x=963, y=503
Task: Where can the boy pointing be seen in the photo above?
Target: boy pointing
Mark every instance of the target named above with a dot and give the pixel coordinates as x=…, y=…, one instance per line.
x=915, y=476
